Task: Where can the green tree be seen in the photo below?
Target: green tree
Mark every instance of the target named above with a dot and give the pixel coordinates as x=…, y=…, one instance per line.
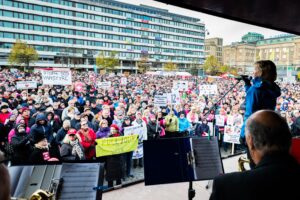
x=224, y=69
x=211, y=65
x=22, y=54
x=170, y=66
x=107, y=63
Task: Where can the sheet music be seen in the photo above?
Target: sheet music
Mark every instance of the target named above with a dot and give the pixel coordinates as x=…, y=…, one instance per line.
x=207, y=158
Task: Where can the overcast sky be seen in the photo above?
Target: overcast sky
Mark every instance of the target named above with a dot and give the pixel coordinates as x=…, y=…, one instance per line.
x=230, y=31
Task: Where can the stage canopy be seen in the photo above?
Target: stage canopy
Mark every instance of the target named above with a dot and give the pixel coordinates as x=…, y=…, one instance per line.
x=274, y=14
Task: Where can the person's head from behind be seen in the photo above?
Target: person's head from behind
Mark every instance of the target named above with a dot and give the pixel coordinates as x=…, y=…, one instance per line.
x=266, y=70
x=267, y=132
x=66, y=124
x=4, y=180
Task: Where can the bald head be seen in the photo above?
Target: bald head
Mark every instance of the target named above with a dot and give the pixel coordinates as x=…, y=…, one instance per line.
x=269, y=131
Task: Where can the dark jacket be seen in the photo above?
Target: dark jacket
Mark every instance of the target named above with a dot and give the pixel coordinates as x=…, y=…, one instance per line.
x=45, y=129
x=114, y=167
x=260, y=95
x=152, y=132
x=60, y=135
x=275, y=177
x=22, y=147
x=201, y=128
x=39, y=155
x=74, y=122
x=66, y=152
x=295, y=129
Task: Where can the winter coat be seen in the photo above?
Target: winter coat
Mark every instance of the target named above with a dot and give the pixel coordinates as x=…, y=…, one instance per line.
x=12, y=133
x=201, y=128
x=39, y=155
x=260, y=95
x=61, y=133
x=88, y=143
x=74, y=122
x=4, y=117
x=22, y=147
x=45, y=129
x=103, y=132
x=295, y=129
x=184, y=124
x=153, y=130
x=114, y=167
x=172, y=124
x=71, y=150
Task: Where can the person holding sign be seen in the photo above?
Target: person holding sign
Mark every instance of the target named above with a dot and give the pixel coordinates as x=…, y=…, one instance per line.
x=262, y=93
x=114, y=163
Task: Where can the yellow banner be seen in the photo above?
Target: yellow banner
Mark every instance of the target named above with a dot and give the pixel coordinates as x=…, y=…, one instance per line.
x=116, y=145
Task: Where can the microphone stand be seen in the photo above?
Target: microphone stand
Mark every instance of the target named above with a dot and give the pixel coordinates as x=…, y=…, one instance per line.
x=214, y=107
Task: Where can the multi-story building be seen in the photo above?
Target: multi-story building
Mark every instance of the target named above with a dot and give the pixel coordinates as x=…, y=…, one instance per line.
x=283, y=50
x=213, y=47
x=71, y=33
x=239, y=55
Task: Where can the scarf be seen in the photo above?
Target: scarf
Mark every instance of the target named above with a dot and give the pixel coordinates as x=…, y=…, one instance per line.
x=76, y=149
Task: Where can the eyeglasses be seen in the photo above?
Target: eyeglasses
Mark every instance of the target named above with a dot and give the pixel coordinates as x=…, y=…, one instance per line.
x=72, y=135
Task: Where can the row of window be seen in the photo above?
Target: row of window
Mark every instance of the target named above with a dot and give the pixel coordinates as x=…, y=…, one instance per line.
x=127, y=55
x=128, y=47
x=96, y=26
x=72, y=32
x=100, y=18
x=130, y=14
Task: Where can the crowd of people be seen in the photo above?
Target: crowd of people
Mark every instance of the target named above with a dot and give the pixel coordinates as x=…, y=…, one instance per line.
x=62, y=123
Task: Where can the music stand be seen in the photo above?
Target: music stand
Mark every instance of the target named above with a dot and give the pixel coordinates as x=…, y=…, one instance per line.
x=181, y=160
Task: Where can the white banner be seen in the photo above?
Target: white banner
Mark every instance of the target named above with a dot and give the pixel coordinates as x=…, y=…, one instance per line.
x=131, y=130
x=220, y=120
x=160, y=100
x=123, y=81
x=55, y=77
x=105, y=85
x=232, y=134
x=181, y=85
x=22, y=85
x=208, y=89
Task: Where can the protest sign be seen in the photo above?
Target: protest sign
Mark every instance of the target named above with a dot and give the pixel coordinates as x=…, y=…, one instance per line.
x=180, y=85
x=55, y=77
x=123, y=81
x=220, y=120
x=105, y=85
x=131, y=130
x=173, y=98
x=23, y=85
x=208, y=89
x=232, y=134
x=160, y=100
x=116, y=145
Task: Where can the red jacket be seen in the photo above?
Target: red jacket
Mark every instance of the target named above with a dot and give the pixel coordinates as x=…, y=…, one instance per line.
x=4, y=116
x=88, y=143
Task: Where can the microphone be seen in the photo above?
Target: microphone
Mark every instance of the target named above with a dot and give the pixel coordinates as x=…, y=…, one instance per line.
x=243, y=77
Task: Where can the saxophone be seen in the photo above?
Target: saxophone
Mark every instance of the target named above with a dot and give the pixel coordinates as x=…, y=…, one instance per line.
x=241, y=162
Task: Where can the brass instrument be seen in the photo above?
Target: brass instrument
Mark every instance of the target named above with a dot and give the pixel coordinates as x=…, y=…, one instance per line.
x=242, y=160
x=41, y=195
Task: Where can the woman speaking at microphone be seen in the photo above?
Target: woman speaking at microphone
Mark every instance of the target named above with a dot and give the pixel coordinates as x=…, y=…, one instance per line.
x=261, y=94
